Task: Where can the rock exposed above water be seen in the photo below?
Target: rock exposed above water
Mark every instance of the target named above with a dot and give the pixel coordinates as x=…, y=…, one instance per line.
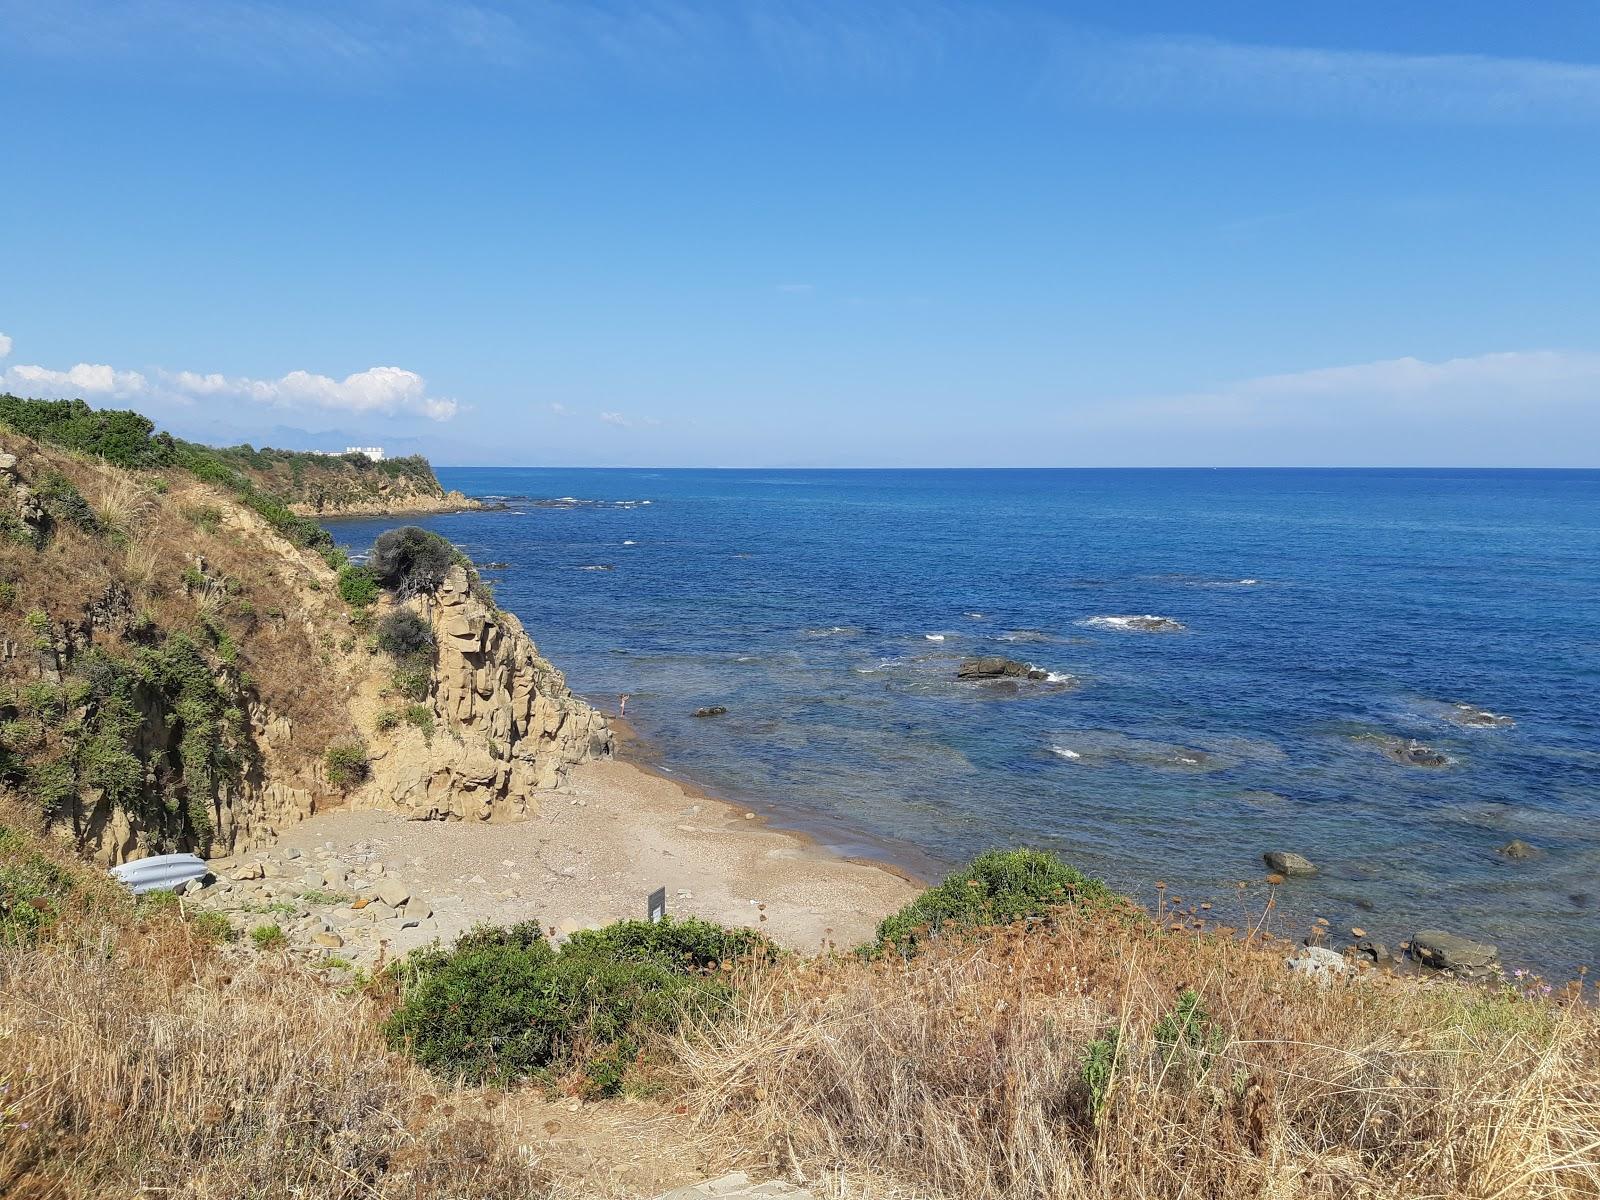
x=1474, y=717
x=1451, y=952
x=995, y=667
x=1408, y=752
x=1287, y=862
x=711, y=710
x=1517, y=848
x=1149, y=623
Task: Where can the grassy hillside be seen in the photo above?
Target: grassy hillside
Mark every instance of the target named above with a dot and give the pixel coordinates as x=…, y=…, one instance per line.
x=278, y=483
x=332, y=484
x=159, y=611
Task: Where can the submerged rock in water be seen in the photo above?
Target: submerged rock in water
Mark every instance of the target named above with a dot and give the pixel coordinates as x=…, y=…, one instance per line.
x=1474, y=717
x=1287, y=862
x=1517, y=848
x=995, y=667
x=1149, y=623
x=1451, y=952
x=1408, y=752
x=711, y=710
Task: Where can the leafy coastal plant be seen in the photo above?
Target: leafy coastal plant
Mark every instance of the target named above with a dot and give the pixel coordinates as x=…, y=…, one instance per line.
x=410, y=560
x=999, y=888
x=503, y=1005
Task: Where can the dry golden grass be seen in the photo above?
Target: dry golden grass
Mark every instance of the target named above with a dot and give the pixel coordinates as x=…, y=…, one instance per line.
x=962, y=1074
x=148, y=1061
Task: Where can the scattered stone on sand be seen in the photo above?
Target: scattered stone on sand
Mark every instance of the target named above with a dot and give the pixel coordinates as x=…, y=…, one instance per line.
x=711, y=710
x=995, y=667
x=1473, y=717
x=393, y=893
x=1288, y=863
x=1451, y=952
x=1518, y=849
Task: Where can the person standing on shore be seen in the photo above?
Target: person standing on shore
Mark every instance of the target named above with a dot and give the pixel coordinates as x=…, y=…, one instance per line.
x=622, y=706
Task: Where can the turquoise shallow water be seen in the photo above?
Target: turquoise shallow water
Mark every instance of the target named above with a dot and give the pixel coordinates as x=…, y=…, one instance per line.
x=1323, y=612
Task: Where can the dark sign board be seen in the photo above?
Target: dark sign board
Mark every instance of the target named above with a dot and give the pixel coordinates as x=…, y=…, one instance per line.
x=656, y=906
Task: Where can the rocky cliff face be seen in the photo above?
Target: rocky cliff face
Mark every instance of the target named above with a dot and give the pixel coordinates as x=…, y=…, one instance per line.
x=174, y=670
x=506, y=725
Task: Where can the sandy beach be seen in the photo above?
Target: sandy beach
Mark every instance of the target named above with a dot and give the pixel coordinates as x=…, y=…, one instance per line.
x=592, y=855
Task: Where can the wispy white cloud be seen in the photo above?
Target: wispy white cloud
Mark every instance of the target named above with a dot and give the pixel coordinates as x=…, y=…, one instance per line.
x=1206, y=73
x=5, y=345
x=1379, y=396
x=623, y=421
x=379, y=391
x=558, y=408
x=344, y=42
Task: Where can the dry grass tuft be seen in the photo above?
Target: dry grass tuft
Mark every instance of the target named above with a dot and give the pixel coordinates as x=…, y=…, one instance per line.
x=136, y=1057
x=1068, y=1063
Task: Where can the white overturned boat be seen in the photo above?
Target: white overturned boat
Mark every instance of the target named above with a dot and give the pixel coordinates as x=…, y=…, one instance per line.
x=163, y=872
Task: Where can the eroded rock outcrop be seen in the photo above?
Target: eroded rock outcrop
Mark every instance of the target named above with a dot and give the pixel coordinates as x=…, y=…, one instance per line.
x=506, y=725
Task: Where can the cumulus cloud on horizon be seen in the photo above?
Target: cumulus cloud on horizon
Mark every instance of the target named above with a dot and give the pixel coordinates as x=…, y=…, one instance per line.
x=383, y=391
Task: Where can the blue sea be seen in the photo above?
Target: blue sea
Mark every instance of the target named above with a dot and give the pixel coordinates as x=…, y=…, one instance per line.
x=1329, y=617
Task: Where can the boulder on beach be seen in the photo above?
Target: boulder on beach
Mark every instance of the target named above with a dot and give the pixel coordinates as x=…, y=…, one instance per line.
x=1374, y=952
x=1287, y=862
x=711, y=710
x=1462, y=956
x=995, y=667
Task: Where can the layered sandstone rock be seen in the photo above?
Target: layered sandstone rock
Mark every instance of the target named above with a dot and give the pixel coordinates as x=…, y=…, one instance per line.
x=506, y=725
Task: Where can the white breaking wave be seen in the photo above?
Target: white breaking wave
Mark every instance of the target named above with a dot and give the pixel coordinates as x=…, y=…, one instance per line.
x=1065, y=752
x=1057, y=677
x=934, y=637
x=629, y=542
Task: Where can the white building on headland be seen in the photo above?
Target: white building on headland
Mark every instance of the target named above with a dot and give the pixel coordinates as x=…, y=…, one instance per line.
x=375, y=453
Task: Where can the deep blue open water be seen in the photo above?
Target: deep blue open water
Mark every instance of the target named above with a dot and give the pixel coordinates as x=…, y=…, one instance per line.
x=1324, y=612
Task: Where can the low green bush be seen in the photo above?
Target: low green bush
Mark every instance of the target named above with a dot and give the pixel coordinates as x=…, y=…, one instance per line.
x=999, y=888
x=357, y=587
x=347, y=763
x=32, y=889
x=413, y=681
x=386, y=720
x=406, y=637
x=268, y=937
x=65, y=502
x=411, y=560
x=503, y=1006
x=420, y=715
x=213, y=926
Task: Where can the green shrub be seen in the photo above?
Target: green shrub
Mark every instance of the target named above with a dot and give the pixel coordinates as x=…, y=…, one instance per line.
x=999, y=888
x=386, y=720
x=268, y=937
x=406, y=637
x=421, y=715
x=357, y=587
x=411, y=560
x=1099, y=1069
x=413, y=682
x=504, y=1006
x=347, y=763
x=213, y=927
x=32, y=889
x=64, y=502
x=8, y=594
x=1188, y=1037
x=207, y=517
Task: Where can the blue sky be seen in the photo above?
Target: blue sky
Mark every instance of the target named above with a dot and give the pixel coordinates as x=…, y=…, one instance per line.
x=819, y=233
